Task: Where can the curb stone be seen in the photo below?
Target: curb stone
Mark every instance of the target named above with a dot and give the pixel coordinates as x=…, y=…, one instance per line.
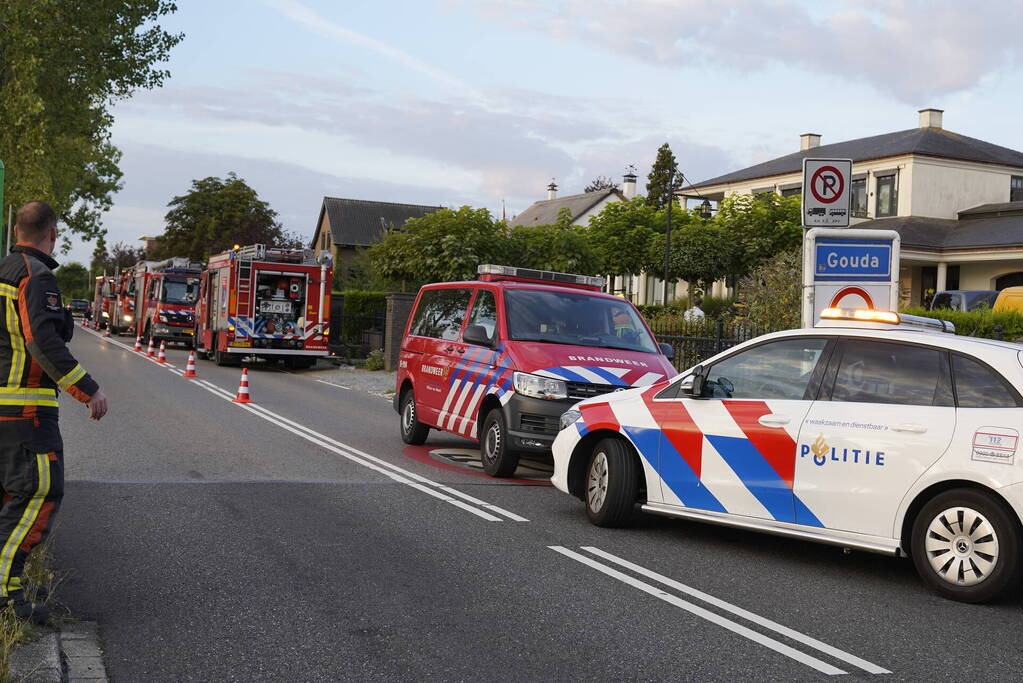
x=71, y=655
x=80, y=646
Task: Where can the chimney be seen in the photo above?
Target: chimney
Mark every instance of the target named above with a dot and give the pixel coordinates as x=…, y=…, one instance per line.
x=552, y=190
x=629, y=183
x=809, y=141
x=931, y=118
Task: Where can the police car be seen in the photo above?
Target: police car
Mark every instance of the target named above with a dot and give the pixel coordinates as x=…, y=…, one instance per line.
x=501, y=358
x=869, y=431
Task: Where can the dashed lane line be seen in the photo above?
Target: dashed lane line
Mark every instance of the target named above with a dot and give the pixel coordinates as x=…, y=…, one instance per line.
x=461, y=500
x=735, y=627
x=740, y=612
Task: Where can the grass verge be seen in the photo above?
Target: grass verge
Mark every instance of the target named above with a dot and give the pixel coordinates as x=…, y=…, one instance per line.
x=38, y=573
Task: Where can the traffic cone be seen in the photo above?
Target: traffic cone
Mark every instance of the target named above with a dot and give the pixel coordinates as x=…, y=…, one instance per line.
x=151, y=352
x=138, y=344
x=243, y=388
x=106, y=330
x=162, y=358
x=85, y=323
x=190, y=365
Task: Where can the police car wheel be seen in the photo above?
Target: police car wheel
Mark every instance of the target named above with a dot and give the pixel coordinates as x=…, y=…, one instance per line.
x=412, y=430
x=495, y=453
x=612, y=483
x=966, y=546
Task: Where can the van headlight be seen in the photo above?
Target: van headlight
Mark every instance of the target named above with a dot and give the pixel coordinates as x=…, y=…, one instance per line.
x=568, y=418
x=536, y=386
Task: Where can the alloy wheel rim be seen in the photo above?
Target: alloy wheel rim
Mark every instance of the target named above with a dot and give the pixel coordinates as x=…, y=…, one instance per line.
x=596, y=482
x=961, y=546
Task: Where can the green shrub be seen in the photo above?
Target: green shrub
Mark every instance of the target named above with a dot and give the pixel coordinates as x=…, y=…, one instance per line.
x=375, y=360
x=359, y=307
x=771, y=295
x=980, y=323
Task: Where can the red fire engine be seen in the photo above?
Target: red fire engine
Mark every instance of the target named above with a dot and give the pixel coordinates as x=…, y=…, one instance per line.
x=122, y=313
x=267, y=302
x=165, y=295
x=103, y=301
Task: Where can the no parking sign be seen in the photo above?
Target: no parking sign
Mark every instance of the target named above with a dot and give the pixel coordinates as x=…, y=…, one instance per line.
x=826, y=193
x=849, y=268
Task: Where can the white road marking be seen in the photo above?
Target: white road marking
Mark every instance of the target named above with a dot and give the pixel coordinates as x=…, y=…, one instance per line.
x=428, y=486
x=703, y=613
x=323, y=381
x=745, y=614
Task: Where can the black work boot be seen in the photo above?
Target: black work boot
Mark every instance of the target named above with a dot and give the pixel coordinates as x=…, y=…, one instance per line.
x=26, y=609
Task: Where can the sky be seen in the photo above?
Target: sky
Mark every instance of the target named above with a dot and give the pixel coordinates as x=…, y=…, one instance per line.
x=484, y=102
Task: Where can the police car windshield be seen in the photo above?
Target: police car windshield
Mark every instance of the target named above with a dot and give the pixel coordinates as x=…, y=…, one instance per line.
x=180, y=291
x=574, y=318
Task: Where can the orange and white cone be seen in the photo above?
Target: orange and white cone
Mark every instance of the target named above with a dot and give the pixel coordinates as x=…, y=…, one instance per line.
x=243, y=388
x=190, y=365
x=151, y=351
x=106, y=330
x=162, y=358
x=138, y=344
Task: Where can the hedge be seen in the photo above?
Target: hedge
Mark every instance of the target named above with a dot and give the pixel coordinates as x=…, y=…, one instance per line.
x=1007, y=325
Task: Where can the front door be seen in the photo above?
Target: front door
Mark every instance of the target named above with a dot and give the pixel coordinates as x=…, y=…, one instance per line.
x=886, y=413
x=439, y=319
x=733, y=450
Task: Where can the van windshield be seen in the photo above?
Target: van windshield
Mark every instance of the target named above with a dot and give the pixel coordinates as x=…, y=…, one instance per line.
x=575, y=318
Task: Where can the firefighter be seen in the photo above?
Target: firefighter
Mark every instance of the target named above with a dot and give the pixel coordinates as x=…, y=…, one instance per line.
x=34, y=365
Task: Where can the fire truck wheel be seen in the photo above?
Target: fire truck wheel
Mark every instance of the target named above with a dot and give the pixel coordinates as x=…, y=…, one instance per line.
x=412, y=430
x=498, y=458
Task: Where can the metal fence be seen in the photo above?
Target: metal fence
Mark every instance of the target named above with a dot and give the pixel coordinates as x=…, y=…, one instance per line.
x=695, y=341
x=355, y=336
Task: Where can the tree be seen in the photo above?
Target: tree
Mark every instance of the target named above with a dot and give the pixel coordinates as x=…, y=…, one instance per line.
x=621, y=235
x=601, y=183
x=663, y=178
x=63, y=63
x=700, y=254
x=75, y=281
x=444, y=245
x=120, y=257
x=215, y=215
x=772, y=293
x=561, y=247
x=758, y=227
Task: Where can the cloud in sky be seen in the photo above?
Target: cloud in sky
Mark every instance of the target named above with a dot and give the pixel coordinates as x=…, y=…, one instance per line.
x=912, y=49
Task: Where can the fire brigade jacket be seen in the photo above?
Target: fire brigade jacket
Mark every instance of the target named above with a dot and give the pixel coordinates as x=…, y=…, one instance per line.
x=34, y=359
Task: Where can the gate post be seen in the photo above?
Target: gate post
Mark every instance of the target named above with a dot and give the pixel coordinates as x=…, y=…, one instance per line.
x=399, y=307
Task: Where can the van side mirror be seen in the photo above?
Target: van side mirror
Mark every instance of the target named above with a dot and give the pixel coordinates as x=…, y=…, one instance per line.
x=667, y=349
x=476, y=334
x=693, y=385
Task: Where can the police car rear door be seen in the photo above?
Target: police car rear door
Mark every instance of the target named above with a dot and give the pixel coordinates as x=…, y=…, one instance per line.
x=884, y=415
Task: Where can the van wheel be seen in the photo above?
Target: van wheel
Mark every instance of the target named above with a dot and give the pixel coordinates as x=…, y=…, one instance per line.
x=966, y=546
x=495, y=451
x=612, y=483
x=412, y=430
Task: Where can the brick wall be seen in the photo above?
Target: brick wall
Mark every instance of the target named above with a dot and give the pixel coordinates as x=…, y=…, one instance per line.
x=399, y=307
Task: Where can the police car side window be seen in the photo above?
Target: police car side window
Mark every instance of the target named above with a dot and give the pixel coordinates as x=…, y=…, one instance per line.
x=779, y=370
x=977, y=386
x=880, y=372
x=440, y=313
x=484, y=312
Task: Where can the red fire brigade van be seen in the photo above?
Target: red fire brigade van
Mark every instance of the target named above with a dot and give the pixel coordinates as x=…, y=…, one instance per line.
x=165, y=295
x=103, y=301
x=499, y=360
x=267, y=302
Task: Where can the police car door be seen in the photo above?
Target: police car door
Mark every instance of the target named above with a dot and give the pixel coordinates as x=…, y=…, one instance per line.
x=733, y=450
x=884, y=415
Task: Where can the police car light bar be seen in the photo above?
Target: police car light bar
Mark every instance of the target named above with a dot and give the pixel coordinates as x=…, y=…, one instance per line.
x=490, y=270
x=890, y=317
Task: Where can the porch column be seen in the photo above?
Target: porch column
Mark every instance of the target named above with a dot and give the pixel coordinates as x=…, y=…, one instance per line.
x=942, y=272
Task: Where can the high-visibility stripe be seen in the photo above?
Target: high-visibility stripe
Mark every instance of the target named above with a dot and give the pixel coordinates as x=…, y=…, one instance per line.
x=67, y=380
x=8, y=290
x=28, y=518
x=51, y=403
x=17, y=344
x=34, y=391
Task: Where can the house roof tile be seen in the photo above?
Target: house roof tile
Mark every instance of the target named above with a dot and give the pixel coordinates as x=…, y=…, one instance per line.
x=546, y=211
x=362, y=223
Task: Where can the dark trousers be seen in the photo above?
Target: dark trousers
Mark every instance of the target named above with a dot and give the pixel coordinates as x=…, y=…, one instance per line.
x=32, y=484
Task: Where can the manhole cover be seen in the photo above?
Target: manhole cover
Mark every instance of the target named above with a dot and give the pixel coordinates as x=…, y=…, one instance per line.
x=469, y=458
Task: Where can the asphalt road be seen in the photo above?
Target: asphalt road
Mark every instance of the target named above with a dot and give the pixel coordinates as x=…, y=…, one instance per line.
x=301, y=540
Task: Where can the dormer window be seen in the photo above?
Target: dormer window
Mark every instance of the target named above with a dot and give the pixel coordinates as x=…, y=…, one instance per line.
x=1016, y=188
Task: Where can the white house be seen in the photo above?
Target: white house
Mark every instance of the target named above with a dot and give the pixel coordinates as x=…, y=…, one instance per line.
x=957, y=202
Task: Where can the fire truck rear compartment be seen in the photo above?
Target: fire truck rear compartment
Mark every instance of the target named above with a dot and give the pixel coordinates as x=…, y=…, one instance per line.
x=280, y=304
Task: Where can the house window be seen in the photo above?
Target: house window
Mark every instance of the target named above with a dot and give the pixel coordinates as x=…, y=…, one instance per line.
x=858, y=197
x=1016, y=188
x=792, y=191
x=887, y=197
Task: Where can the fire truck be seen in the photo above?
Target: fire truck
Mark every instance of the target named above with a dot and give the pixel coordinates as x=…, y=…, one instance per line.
x=122, y=313
x=165, y=296
x=103, y=301
x=268, y=302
